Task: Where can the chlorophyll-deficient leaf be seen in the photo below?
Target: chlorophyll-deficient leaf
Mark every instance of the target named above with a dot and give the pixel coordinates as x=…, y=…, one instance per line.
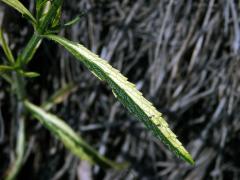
x=128, y=95
x=16, y=4
x=70, y=139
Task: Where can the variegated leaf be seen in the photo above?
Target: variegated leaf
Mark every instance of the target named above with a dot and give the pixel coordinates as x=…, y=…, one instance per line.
x=16, y=4
x=127, y=94
x=69, y=138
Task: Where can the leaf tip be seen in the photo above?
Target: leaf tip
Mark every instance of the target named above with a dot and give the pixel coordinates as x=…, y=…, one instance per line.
x=188, y=158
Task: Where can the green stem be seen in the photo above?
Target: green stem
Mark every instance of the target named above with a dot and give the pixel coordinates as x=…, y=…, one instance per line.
x=29, y=50
x=19, y=83
x=20, y=86
x=36, y=39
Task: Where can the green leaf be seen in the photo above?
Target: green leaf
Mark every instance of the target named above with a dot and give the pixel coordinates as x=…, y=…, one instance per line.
x=16, y=4
x=58, y=27
x=4, y=68
x=74, y=21
x=57, y=18
x=6, y=48
x=42, y=7
x=69, y=138
x=7, y=78
x=58, y=96
x=52, y=16
x=28, y=74
x=128, y=95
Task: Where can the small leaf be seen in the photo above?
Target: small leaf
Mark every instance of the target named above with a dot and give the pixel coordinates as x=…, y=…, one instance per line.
x=57, y=18
x=7, y=78
x=29, y=74
x=52, y=16
x=128, y=95
x=74, y=21
x=70, y=139
x=6, y=48
x=4, y=68
x=42, y=7
x=16, y=4
x=58, y=27
x=59, y=96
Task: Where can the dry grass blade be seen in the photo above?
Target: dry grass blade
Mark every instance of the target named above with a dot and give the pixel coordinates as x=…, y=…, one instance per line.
x=17, y=164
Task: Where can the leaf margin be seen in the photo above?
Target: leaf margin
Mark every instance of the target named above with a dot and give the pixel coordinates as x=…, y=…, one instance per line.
x=152, y=118
x=17, y=5
x=70, y=139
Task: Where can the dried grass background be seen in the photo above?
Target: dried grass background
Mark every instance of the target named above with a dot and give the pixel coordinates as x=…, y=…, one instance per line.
x=182, y=54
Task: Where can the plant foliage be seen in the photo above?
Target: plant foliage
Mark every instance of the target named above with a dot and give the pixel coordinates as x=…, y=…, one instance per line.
x=127, y=94
x=47, y=21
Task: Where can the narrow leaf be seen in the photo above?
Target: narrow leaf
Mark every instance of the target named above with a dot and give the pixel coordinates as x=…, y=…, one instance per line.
x=4, y=68
x=29, y=74
x=42, y=7
x=6, y=48
x=74, y=21
x=59, y=96
x=6, y=77
x=57, y=18
x=69, y=138
x=52, y=15
x=128, y=95
x=58, y=27
x=16, y=4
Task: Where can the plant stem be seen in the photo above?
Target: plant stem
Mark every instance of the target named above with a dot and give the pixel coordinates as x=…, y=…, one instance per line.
x=32, y=47
x=19, y=81
x=29, y=50
x=20, y=86
x=36, y=39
